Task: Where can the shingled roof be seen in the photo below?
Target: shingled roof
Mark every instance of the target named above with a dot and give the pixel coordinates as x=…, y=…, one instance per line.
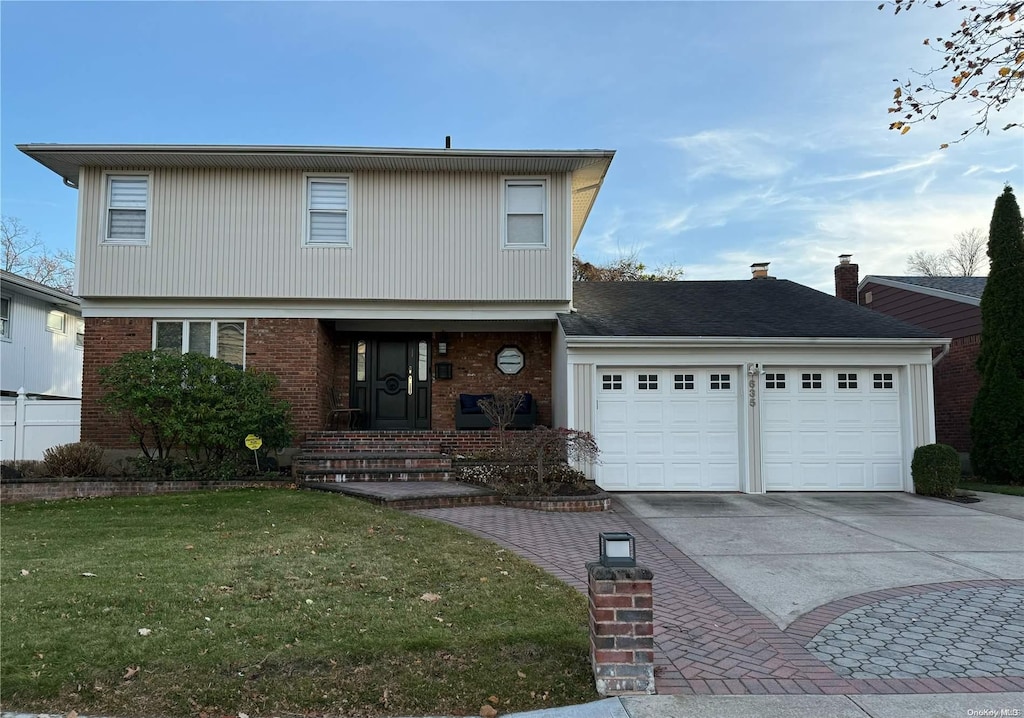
x=744, y=308
x=967, y=286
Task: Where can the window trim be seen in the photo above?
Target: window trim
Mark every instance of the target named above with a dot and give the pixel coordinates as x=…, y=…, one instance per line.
x=328, y=177
x=63, y=321
x=105, y=239
x=5, y=332
x=213, y=333
x=514, y=180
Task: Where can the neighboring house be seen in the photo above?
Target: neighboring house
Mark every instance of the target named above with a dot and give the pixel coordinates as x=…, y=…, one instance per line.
x=402, y=278
x=41, y=348
x=41, y=339
x=951, y=307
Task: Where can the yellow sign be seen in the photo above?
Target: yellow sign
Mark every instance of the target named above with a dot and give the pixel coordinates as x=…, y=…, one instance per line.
x=253, y=442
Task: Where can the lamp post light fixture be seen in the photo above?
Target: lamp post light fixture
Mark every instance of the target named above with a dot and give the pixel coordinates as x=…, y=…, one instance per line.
x=618, y=549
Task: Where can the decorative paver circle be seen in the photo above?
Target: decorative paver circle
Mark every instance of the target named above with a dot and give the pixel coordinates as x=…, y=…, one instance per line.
x=963, y=633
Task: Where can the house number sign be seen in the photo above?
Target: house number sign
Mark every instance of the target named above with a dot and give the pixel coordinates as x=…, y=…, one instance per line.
x=752, y=389
x=510, y=360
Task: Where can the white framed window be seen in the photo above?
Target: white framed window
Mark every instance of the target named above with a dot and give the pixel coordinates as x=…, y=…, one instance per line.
x=525, y=213
x=883, y=380
x=219, y=338
x=846, y=381
x=810, y=380
x=775, y=381
x=611, y=382
x=127, y=216
x=56, y=321
x=327, y=211
x=5, y=318
x=79, y=333
x=720, y=382
x=685, y=382
x=647, y=382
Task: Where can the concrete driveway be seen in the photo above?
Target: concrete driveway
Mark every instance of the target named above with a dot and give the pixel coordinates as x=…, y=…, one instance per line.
x=788, y=553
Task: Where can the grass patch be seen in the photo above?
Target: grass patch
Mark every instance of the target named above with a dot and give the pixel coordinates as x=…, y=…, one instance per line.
x=992, y=488
x=269, y=601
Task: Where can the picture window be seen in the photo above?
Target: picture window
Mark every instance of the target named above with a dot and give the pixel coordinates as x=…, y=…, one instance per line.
x=220, y=339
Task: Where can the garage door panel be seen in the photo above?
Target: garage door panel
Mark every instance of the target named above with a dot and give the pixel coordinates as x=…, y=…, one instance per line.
x=841, y=439
x=649, y=476
x=680, y=436
x=648, y=443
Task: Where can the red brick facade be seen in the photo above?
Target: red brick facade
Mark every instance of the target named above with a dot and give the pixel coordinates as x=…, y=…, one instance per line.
x=309, y=357
x=106, y=339
x=956, y=385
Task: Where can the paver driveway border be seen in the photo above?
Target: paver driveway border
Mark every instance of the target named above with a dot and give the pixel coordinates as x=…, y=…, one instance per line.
x=707, y=639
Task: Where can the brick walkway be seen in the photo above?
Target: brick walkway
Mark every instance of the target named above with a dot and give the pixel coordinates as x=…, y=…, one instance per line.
x=707, y=639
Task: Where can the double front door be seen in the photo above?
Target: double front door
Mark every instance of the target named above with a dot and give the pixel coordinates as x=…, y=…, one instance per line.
x=391, y=381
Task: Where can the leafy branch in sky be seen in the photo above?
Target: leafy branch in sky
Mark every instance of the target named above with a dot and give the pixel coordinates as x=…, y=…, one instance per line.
x=26, y=256
x=982, y=64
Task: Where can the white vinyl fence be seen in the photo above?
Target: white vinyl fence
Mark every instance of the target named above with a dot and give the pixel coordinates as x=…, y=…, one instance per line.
x=28, y=427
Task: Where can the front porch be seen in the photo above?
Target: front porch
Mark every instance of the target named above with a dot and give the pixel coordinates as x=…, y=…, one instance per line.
x=411, y=380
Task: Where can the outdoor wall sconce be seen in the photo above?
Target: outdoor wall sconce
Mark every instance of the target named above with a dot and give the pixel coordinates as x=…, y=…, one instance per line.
x=442, y=344
x=617, y=549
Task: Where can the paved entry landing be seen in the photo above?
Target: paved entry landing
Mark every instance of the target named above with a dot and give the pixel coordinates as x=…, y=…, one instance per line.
x=411, y=494
x=707, y=638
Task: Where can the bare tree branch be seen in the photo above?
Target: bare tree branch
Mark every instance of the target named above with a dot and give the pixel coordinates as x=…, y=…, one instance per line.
x=627, y=268
x=26, y=256
x=964, y=259
x=982, y=64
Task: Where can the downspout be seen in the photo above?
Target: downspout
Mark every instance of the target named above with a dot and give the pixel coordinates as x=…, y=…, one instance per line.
x=942, y=354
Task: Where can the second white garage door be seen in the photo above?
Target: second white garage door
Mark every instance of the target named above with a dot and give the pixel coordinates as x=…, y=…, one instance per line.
x=668, y=429
x=831, y=429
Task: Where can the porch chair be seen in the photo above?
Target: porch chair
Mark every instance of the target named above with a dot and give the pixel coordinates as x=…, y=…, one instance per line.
x=339, y=410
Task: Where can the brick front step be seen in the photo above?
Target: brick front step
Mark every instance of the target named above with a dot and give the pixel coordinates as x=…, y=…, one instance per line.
x=425, y=495
x=373, y=461
x=326, y=475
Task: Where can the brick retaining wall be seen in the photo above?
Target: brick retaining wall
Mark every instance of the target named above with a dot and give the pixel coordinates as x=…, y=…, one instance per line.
x=51, y=489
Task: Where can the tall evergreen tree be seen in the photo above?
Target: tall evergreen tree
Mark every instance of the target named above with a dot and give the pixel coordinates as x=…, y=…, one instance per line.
x=997, y=420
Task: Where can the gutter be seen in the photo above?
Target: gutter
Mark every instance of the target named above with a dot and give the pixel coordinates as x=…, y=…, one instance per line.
x=641, y=342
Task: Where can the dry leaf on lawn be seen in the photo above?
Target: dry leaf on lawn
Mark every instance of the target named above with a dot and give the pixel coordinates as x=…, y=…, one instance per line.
x=130, y=672
x=430, y=597
x=24, y=572
x=89, y=575
x=493, y=700
x=487, y=711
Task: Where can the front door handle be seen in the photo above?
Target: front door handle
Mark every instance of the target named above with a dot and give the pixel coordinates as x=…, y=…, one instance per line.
x=409, y=382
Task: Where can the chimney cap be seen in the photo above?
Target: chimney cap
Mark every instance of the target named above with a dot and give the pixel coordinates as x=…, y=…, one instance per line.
x=760, y=265
x=844, y=258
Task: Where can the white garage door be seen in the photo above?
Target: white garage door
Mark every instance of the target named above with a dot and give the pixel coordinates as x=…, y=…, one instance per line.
x=831, y=429
x=669, y=429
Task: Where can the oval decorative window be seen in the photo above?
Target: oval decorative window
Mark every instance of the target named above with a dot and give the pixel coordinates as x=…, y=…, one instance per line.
x=510, y=360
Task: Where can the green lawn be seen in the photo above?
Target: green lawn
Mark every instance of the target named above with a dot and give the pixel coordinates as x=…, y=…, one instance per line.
x=274, y=601
x=992, y=488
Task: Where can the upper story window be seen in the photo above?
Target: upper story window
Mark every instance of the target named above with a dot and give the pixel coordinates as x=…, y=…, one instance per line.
x=5, y=318
x=56, y=321
x=127, y=218
x=327, y=222
x=526, y=214
x=218, y=338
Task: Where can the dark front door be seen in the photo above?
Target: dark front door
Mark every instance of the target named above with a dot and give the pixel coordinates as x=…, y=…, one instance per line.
x=395, y=382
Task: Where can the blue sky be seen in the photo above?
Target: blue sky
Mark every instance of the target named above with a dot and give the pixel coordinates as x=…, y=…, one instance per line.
x=745, y=131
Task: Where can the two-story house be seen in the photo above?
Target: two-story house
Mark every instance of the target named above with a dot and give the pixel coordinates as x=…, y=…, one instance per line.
x=402, y=278
x=41, y=340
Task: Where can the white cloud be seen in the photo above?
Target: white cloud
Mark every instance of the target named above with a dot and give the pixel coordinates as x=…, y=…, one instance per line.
x=733, y=153
x=926, y=161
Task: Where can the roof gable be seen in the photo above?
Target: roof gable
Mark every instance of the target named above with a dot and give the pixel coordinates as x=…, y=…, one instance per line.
x=958, y=289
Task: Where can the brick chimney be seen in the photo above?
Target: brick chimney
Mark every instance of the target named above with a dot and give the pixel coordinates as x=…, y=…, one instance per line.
x=847, y=278
x=759, y=270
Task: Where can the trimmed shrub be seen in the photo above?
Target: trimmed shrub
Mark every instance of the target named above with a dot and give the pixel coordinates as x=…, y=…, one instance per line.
x=22, y=468
x=193, y=407
x=936, y=470
x=80, y=459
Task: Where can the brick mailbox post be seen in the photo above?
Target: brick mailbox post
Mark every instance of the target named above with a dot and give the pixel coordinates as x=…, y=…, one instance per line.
x=621, y=629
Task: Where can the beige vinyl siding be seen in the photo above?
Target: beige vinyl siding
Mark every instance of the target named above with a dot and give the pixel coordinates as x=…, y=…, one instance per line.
x=239, y=233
